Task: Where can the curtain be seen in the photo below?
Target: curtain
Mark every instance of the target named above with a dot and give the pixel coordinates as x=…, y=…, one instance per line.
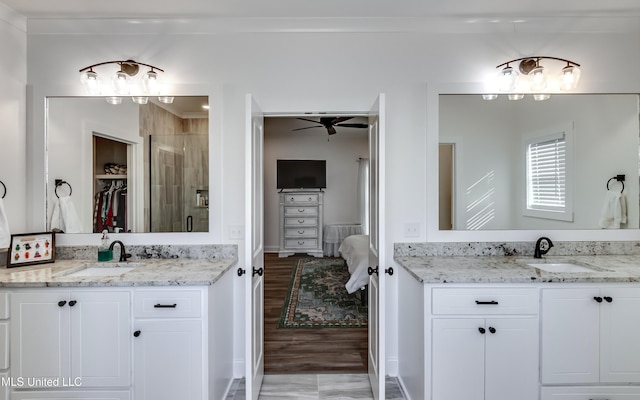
x=363, y=194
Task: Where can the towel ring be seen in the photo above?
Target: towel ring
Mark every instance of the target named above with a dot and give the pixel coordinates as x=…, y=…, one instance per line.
x=5, y=189
x=619, y=178
x=60, y=182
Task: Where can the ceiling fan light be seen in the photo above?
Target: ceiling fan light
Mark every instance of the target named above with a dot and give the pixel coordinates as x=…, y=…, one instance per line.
x=570, y=77
x=508, y=79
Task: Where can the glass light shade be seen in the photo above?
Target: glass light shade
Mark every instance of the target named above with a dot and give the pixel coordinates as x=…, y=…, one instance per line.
x=91, y=82
x=121, y=83
x=538, y=78
x=508, y=79
x=140, y=99
x=570, y=77
x=515, y=96
x=114, y=100
x=541, y=96
x=165, y=99
x=151, y=82
x=489, y=96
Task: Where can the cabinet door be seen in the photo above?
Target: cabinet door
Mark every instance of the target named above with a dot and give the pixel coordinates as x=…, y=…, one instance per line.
x=40, y=335
x=570, y=336
x=101, y=338
x=458, y=359
x=619, y=335
x=168, y=360
x=512, y=359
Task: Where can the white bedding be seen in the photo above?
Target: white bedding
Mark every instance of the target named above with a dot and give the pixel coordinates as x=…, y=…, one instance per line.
x=355, y=250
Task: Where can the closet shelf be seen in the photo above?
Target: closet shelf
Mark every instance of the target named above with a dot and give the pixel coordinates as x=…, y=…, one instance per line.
x=111, y=176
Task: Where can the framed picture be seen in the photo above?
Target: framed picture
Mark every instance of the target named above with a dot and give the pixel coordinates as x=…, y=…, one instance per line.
x=31, y=248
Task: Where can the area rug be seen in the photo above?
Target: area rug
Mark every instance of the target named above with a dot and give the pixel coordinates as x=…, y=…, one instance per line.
x=317, y=297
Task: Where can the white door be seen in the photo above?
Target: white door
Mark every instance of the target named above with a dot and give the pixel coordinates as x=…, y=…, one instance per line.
x=254, y=249
x=377, y=268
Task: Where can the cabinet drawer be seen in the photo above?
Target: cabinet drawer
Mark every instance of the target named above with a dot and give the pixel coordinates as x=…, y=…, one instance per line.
x=301, y=221
x=4, y=305
x=300, y=211
x=301, y=233
x=301, y=198
x=590, y=393
x=167, y=304
x=301, y=243
x=485, y=301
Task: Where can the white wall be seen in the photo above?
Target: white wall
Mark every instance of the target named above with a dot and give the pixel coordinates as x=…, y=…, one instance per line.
x=340, y=151
x=281, y=69
x=13, y=69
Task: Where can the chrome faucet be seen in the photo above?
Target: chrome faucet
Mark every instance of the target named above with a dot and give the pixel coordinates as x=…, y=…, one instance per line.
x=123, y=254
x=539, y=251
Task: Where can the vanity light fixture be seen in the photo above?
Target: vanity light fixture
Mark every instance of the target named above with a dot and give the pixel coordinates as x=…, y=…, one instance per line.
x=124, y=82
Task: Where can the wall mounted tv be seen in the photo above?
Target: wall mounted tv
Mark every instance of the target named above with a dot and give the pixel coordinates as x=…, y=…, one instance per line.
x=301, y=174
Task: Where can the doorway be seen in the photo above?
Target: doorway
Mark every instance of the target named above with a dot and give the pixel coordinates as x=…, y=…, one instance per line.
x=307, y=137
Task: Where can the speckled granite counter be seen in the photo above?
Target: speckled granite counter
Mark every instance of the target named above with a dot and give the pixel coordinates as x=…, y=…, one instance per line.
x=513, y=269
x=151, y=272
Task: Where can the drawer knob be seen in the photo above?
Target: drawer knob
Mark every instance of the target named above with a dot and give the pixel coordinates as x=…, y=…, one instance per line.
x=492, y=302
x=72, y=303
x=300, y=232
x=492, y=329
x=598, y=299
x=62, y=303
x=607, y=299
x=300, y=210
x=300, y=243
x=136, y=333
x=241, y=272
x=481, y=330
x=301, y=221
x=165, y=306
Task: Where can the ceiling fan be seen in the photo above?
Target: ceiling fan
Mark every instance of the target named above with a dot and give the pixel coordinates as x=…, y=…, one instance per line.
x=329, y=123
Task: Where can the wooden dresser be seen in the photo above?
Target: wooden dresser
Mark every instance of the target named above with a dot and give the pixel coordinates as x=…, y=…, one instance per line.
x=301, y=214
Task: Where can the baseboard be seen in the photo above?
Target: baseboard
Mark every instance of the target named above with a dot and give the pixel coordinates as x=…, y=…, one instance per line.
x=238, y=368
x=403, y=388
x=392, y=366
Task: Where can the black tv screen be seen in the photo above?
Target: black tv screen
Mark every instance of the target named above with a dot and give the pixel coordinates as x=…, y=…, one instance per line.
x=301, y=174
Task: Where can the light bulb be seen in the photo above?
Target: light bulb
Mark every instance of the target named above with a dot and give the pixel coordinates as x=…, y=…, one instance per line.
x=538, y=78
x=114, y=100
x=140, y=99
x=165, y=99
x=121, y=83
x=515, y=96
x=541, y=96
x=91, y=82
x=151, y=82
x=570, y=77
x=489, y=96
x=508, y=79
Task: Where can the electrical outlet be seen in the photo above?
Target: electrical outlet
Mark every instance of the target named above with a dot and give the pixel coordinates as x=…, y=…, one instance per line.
x=236, y=232
x=412, y=229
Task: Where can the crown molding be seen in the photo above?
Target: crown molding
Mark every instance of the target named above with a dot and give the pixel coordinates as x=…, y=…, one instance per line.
x=13, y=18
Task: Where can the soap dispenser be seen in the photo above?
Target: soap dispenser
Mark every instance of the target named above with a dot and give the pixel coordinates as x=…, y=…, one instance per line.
x=104, y=253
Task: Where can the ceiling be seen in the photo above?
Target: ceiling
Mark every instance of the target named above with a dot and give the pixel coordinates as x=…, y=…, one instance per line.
x=492, y=10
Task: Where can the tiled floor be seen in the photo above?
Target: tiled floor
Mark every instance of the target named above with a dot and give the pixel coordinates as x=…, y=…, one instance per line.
x=317, y=387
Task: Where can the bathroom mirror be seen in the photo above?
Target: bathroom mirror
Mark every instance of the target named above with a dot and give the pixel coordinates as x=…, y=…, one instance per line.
x=127, y=167
x=484, y=181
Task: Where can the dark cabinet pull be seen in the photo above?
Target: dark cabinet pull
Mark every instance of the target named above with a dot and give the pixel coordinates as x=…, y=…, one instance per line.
x=258, y=271
x=72, y=303
x=190, y=223
x=389, y=271
x=61, y=303
x=372, y=271
x=492, y=302
x=136, y=333
x=482, y=330
x=165, y=306
x=241, y=271
x=492, y=329
x=598, y=299
x=608, y=299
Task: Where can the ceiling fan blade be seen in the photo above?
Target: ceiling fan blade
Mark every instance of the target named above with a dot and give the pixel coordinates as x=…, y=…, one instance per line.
x=310, y=120
x=308, y=127
x=337, y=120
x=353, y=125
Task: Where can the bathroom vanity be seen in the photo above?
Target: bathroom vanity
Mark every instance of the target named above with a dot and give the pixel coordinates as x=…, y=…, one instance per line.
x=150, y=329
x=505, y=327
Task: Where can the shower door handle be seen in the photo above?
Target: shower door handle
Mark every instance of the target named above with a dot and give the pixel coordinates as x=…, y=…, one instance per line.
x=190, y=223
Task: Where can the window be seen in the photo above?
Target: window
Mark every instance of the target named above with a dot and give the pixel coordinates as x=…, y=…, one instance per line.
x=548, y=169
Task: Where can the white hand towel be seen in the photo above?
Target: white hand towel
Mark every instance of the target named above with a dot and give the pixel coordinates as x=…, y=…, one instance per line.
x=5, y=233
x=614, y=210
x=64, y=216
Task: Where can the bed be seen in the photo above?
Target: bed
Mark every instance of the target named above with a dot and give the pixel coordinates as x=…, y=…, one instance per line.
x=355, y=250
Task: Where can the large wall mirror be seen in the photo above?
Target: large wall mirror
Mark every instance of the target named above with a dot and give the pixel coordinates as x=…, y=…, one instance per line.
x=127, y=167
x=539, y=165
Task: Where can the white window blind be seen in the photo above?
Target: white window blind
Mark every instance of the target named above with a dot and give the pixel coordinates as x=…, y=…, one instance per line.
x=546, y=174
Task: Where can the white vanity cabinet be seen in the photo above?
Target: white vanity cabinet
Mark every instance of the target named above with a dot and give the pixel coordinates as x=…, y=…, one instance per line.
x=484, y=343
x=71, y=334
x=169, y=351
x=4, y=344
x=590, y=335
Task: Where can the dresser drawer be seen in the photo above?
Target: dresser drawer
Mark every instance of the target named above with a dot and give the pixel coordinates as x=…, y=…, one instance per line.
x=301, y=221
x=300, y=198
x=300, y=243
x=485, y=301
x=300, y=211
x=301, y=232
x=167, y=304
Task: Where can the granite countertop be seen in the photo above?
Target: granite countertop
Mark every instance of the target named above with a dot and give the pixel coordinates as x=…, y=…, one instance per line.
x=514, y=269
x=151, y=272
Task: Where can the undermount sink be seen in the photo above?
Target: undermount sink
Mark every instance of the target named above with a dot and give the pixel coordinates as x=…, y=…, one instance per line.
x=104, y=270
x=560, y=267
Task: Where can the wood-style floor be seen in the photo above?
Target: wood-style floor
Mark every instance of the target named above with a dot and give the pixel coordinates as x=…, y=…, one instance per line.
x=297, y=350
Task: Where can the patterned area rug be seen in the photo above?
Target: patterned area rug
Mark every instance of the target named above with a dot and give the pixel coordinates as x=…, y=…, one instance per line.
x=317, y=297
